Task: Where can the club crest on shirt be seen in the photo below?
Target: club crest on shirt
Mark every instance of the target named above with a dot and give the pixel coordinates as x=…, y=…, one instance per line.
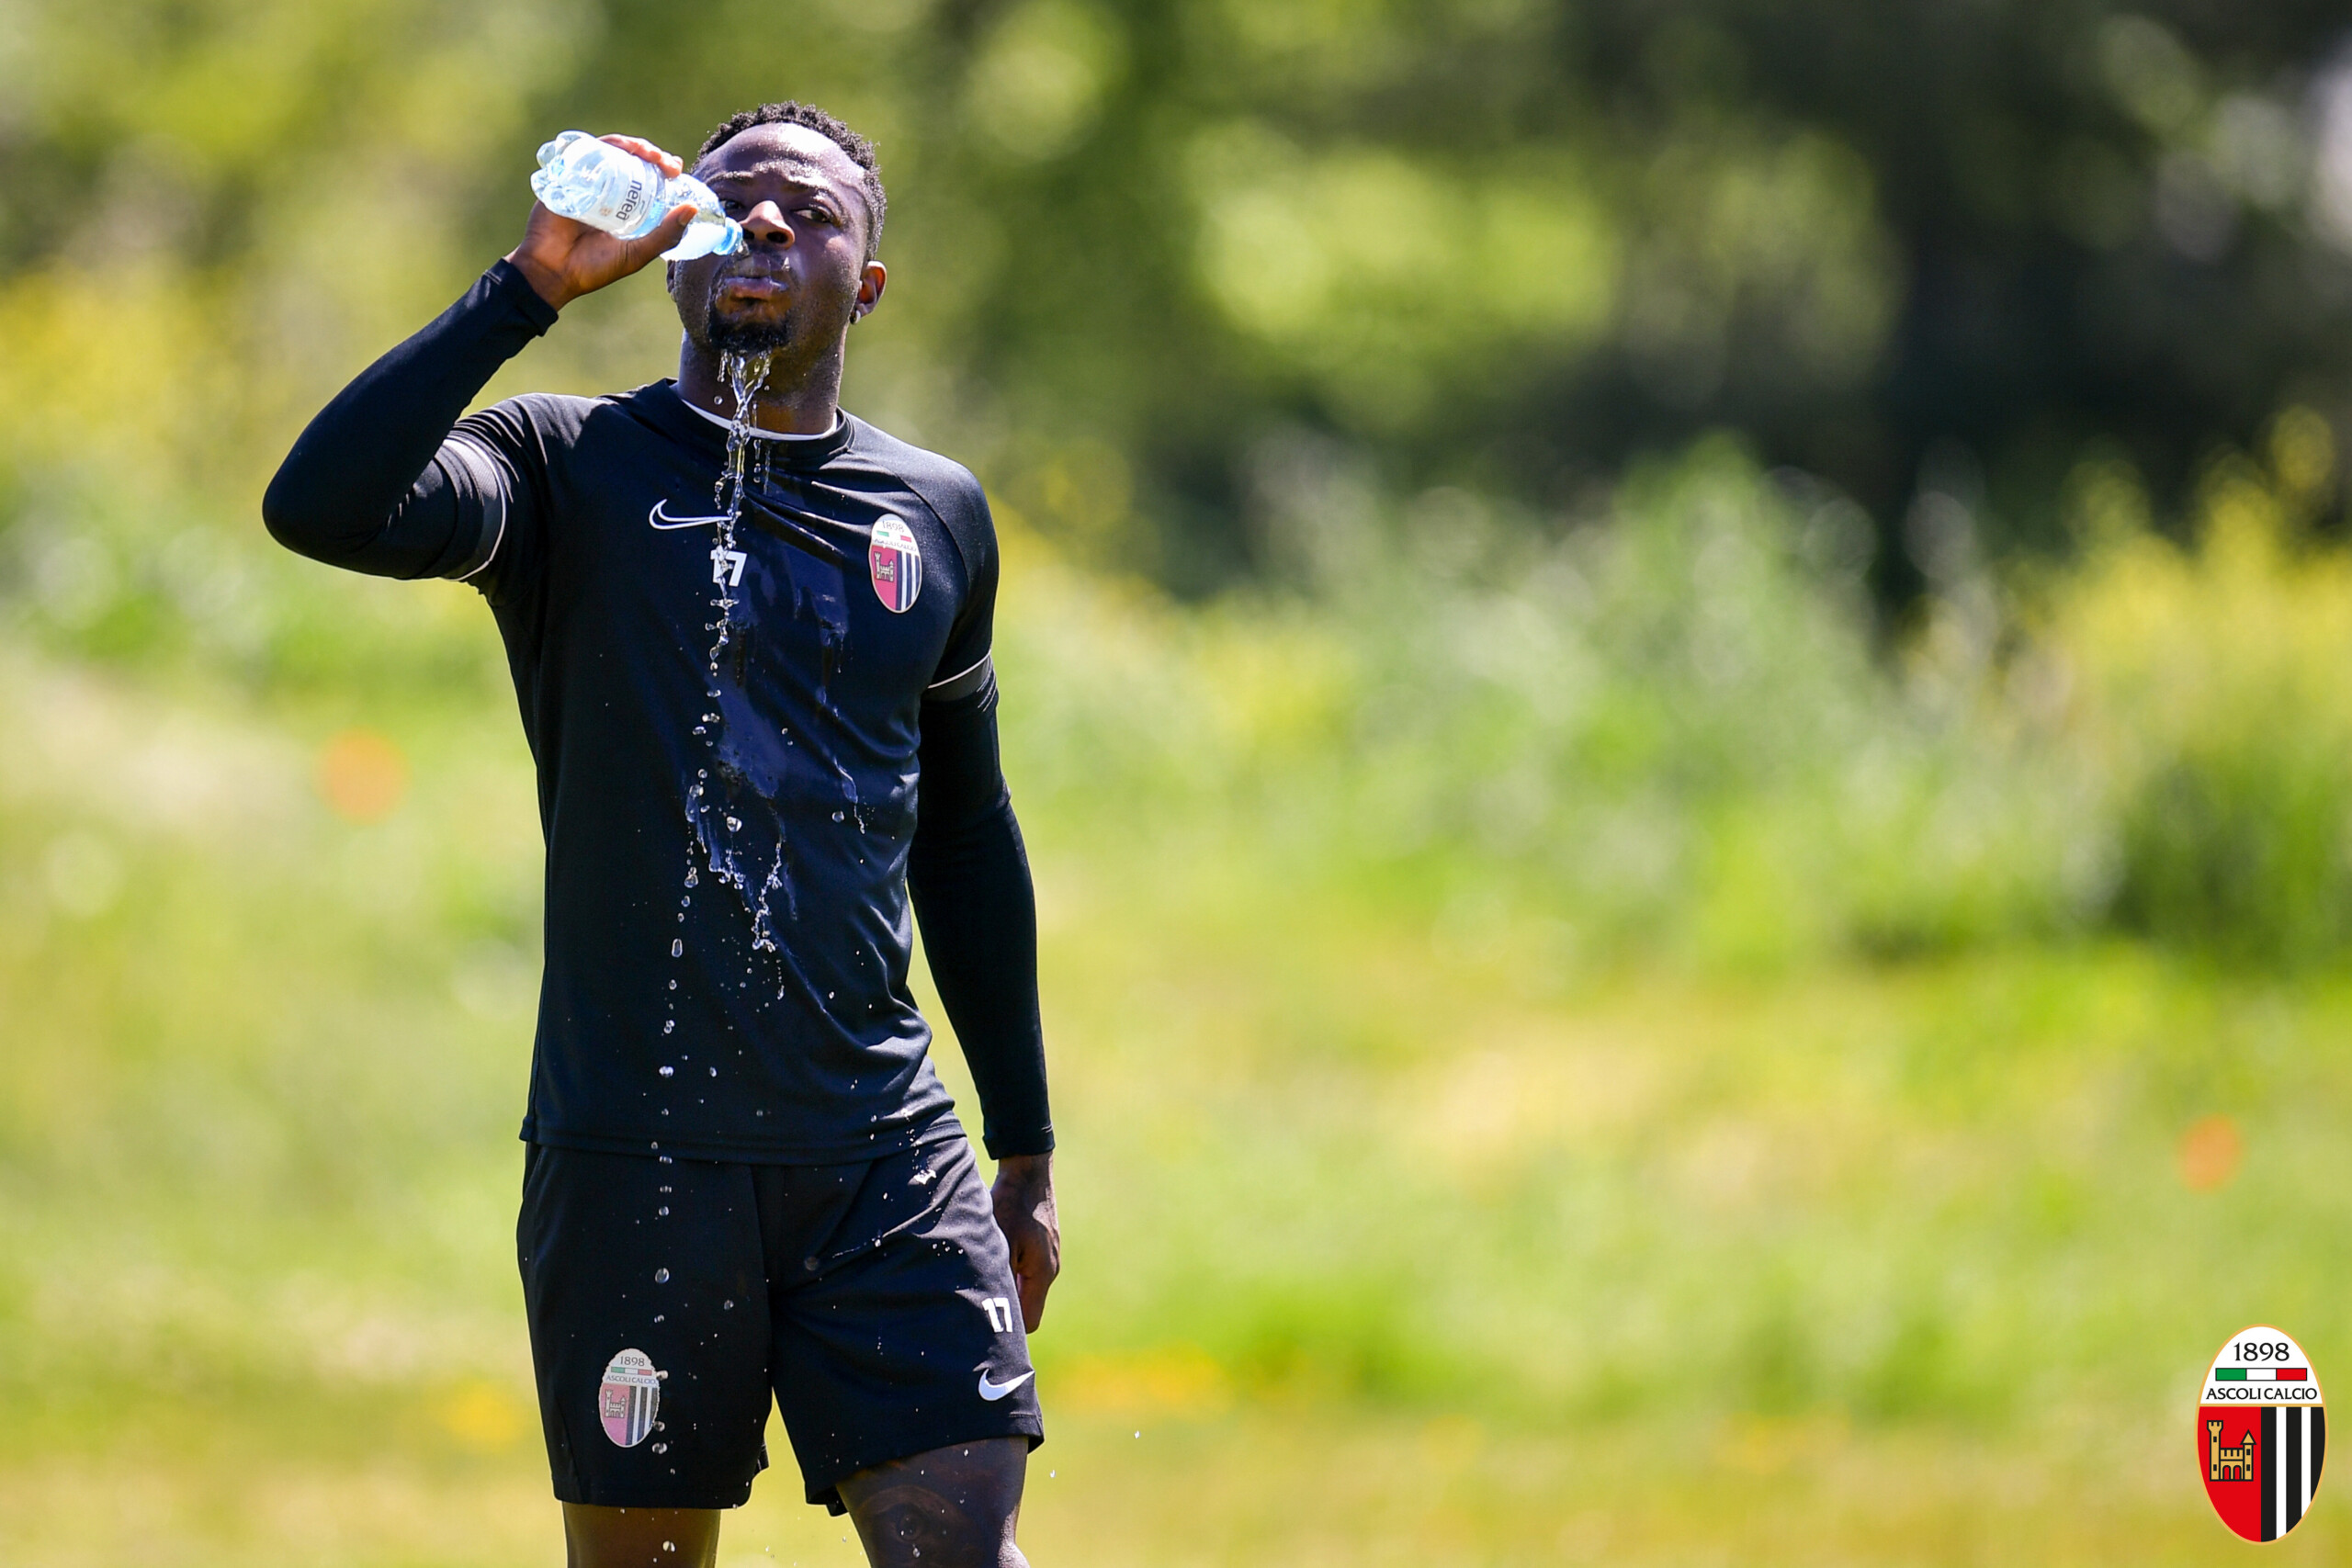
x=895, y=562
x=627, y=1398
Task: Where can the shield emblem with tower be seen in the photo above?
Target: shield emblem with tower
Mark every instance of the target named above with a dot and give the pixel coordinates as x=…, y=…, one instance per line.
x=628, y=1398
x=2261, y=1434
x=895, y=563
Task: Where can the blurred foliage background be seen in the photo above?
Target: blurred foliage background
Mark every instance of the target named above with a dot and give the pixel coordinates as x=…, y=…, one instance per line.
x=1676, y=674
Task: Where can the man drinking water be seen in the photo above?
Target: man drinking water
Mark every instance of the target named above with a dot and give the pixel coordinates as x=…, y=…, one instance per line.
x=749, y=636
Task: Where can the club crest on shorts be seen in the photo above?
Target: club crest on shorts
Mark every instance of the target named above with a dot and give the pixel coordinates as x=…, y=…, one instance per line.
x=2261, y=1434
x=627, y=1398
x=895, y=562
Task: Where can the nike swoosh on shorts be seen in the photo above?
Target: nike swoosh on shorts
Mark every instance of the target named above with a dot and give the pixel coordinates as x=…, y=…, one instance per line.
x=999, y=1390
x=661, y=519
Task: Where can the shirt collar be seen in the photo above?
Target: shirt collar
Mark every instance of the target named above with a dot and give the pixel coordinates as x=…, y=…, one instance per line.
x=826, y=435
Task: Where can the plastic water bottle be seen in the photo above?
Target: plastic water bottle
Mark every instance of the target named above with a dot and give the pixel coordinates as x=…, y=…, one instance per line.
x=595, y=183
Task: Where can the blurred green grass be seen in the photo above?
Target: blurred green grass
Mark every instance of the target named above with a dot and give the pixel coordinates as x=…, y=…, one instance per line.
x=1575, y=1038
x=1565, y=1046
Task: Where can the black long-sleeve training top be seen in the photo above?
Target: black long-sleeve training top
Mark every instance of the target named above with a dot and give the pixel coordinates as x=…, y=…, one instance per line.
x=731, y=839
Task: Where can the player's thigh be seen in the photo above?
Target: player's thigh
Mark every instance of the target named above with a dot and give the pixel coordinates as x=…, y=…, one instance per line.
x=952, y=1507
x=639, y=1538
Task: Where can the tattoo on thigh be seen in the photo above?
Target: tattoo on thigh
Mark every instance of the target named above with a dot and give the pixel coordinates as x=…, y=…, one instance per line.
x=915, y=1521
x=950, y=1508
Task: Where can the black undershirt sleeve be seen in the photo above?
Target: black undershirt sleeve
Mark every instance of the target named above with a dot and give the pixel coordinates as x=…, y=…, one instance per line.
x=378, y=484
x=970, y=876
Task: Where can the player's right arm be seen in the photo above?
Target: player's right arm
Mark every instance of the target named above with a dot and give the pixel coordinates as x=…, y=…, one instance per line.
x=378, y=482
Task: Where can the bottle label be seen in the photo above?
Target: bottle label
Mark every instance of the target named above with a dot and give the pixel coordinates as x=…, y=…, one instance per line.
x=631, y=209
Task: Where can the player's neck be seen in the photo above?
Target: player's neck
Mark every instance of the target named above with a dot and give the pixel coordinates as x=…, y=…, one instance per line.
x=795, y=400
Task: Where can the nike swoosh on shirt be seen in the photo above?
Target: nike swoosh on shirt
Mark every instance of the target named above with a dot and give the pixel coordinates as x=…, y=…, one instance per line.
x=661, y=519
x=999, y=1390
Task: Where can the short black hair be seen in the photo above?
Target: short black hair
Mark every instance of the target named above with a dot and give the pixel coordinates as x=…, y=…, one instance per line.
x=860, y=151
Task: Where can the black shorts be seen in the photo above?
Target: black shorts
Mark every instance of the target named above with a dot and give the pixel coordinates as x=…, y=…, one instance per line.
x=667, y=1299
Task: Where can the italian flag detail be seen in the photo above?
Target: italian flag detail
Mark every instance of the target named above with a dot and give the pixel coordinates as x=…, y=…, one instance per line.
x=2261, y=1375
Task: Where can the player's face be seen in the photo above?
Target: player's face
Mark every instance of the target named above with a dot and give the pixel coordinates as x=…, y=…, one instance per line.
x=801, y=270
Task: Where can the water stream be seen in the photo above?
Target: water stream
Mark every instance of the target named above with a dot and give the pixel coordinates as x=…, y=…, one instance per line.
x=736, y=832
x=707, y=845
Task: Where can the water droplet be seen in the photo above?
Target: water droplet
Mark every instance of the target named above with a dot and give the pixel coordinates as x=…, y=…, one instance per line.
x=837, y=816
x=714, y=1072
x=702, y=773
x=734, y=824
x=677, y=949
x=692, y=876
x=667, y=1069
x=668, y=1024
x=674, y=985
x=665, y=1211
x=661, y=1277
x=723, y=1306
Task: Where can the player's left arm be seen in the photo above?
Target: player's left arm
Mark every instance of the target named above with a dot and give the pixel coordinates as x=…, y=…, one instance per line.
x=970, y=876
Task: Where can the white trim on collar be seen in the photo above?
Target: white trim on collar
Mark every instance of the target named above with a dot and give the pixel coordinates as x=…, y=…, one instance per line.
x=834, y=430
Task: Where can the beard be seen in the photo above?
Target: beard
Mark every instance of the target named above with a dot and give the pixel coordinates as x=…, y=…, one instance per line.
x=749, y=333
x=747, y=337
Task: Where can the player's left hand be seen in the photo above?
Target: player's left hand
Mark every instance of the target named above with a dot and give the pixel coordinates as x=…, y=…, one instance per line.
x=1024, y=1196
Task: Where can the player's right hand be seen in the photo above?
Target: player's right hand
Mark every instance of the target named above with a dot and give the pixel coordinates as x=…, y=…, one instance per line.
x=564, y=259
